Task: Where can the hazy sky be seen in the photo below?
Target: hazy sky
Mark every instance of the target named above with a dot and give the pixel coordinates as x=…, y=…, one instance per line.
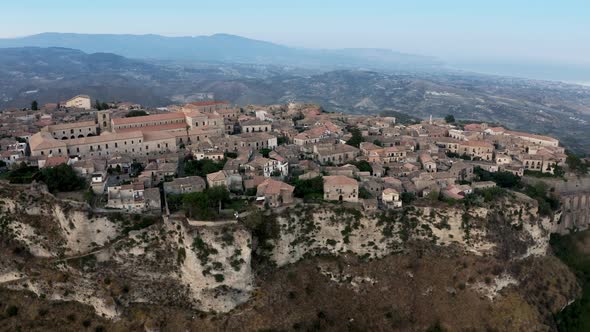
x=556, y=30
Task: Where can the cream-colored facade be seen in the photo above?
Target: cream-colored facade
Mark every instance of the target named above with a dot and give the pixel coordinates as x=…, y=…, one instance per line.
x=81, y=101
x=340, y=188
x=336, y=154
x=253, y=126
x=134, y=143
x=476, y=149
x=72, y=130
x=140, y=122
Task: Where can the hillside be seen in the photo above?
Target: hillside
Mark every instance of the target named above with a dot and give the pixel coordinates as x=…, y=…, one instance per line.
x=323, y=267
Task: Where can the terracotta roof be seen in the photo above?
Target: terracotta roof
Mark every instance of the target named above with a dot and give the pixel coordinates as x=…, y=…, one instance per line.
x=482, y=144
x=535, y=136
x=55, y=161
x=70, y=125
x=149, y=118
x=388, y=191
x=339, y=180
x=44, y=140
x=273, y=187
x=473, y=127
x=156, y=135
x=217, y=176
x=172, y=126
x=133, y=186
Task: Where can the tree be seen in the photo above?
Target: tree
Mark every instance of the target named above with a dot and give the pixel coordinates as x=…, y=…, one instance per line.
x=218, y=195
x=408, y=197
x=34, y=105
x=309, y=189
x=450, y=118
x=364, y=193
x=362, y=165
x=502, y=179
x=135, y=113
x=576, y=164
x=61, y=178
x=377, y=142
x=282, y=140
x=100, y=106
x=204, y=205
x=356, y=139
x=265, y=152
x=135, y=169
x=203, y=167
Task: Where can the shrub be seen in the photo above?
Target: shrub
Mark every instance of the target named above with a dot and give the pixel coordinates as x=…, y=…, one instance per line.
x=12, y=311
x=203, y=167
x=61, y=178
x=357, y=137
x=309, y=189
x=135, y=113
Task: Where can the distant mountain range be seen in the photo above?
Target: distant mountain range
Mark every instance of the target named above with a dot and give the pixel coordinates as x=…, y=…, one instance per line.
x=54, y=74
x=227, y=49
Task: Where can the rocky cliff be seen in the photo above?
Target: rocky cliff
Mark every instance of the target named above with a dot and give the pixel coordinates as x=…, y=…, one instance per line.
x=145, y=272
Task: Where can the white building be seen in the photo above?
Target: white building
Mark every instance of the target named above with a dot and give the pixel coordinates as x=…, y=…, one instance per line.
x=80, y=101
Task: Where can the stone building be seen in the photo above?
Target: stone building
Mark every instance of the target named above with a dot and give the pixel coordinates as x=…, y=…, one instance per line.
x=340, y=188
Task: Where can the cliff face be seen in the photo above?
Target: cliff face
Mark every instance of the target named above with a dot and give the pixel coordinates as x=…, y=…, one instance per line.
x=129, y=266
x=60, y=251
x=511, y=227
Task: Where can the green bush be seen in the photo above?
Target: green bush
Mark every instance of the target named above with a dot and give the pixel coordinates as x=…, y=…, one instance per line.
x=12, y=311
x=502, y=179
x=61, y=178
x=309, y=189
x=362, y=165
x=202, y=167
x=135, y=113
x=357, y=137
x=205, y=205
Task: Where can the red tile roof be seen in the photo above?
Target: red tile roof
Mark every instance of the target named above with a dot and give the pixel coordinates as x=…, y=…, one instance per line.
x=148, y=118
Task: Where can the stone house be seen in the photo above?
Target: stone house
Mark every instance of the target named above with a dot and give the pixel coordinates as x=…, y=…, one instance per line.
x=340, y=188
x=185, y=185
x=274, y=193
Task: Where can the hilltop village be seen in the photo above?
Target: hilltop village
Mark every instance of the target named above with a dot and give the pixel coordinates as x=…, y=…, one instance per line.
x=138, y=216
x=133, y=159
